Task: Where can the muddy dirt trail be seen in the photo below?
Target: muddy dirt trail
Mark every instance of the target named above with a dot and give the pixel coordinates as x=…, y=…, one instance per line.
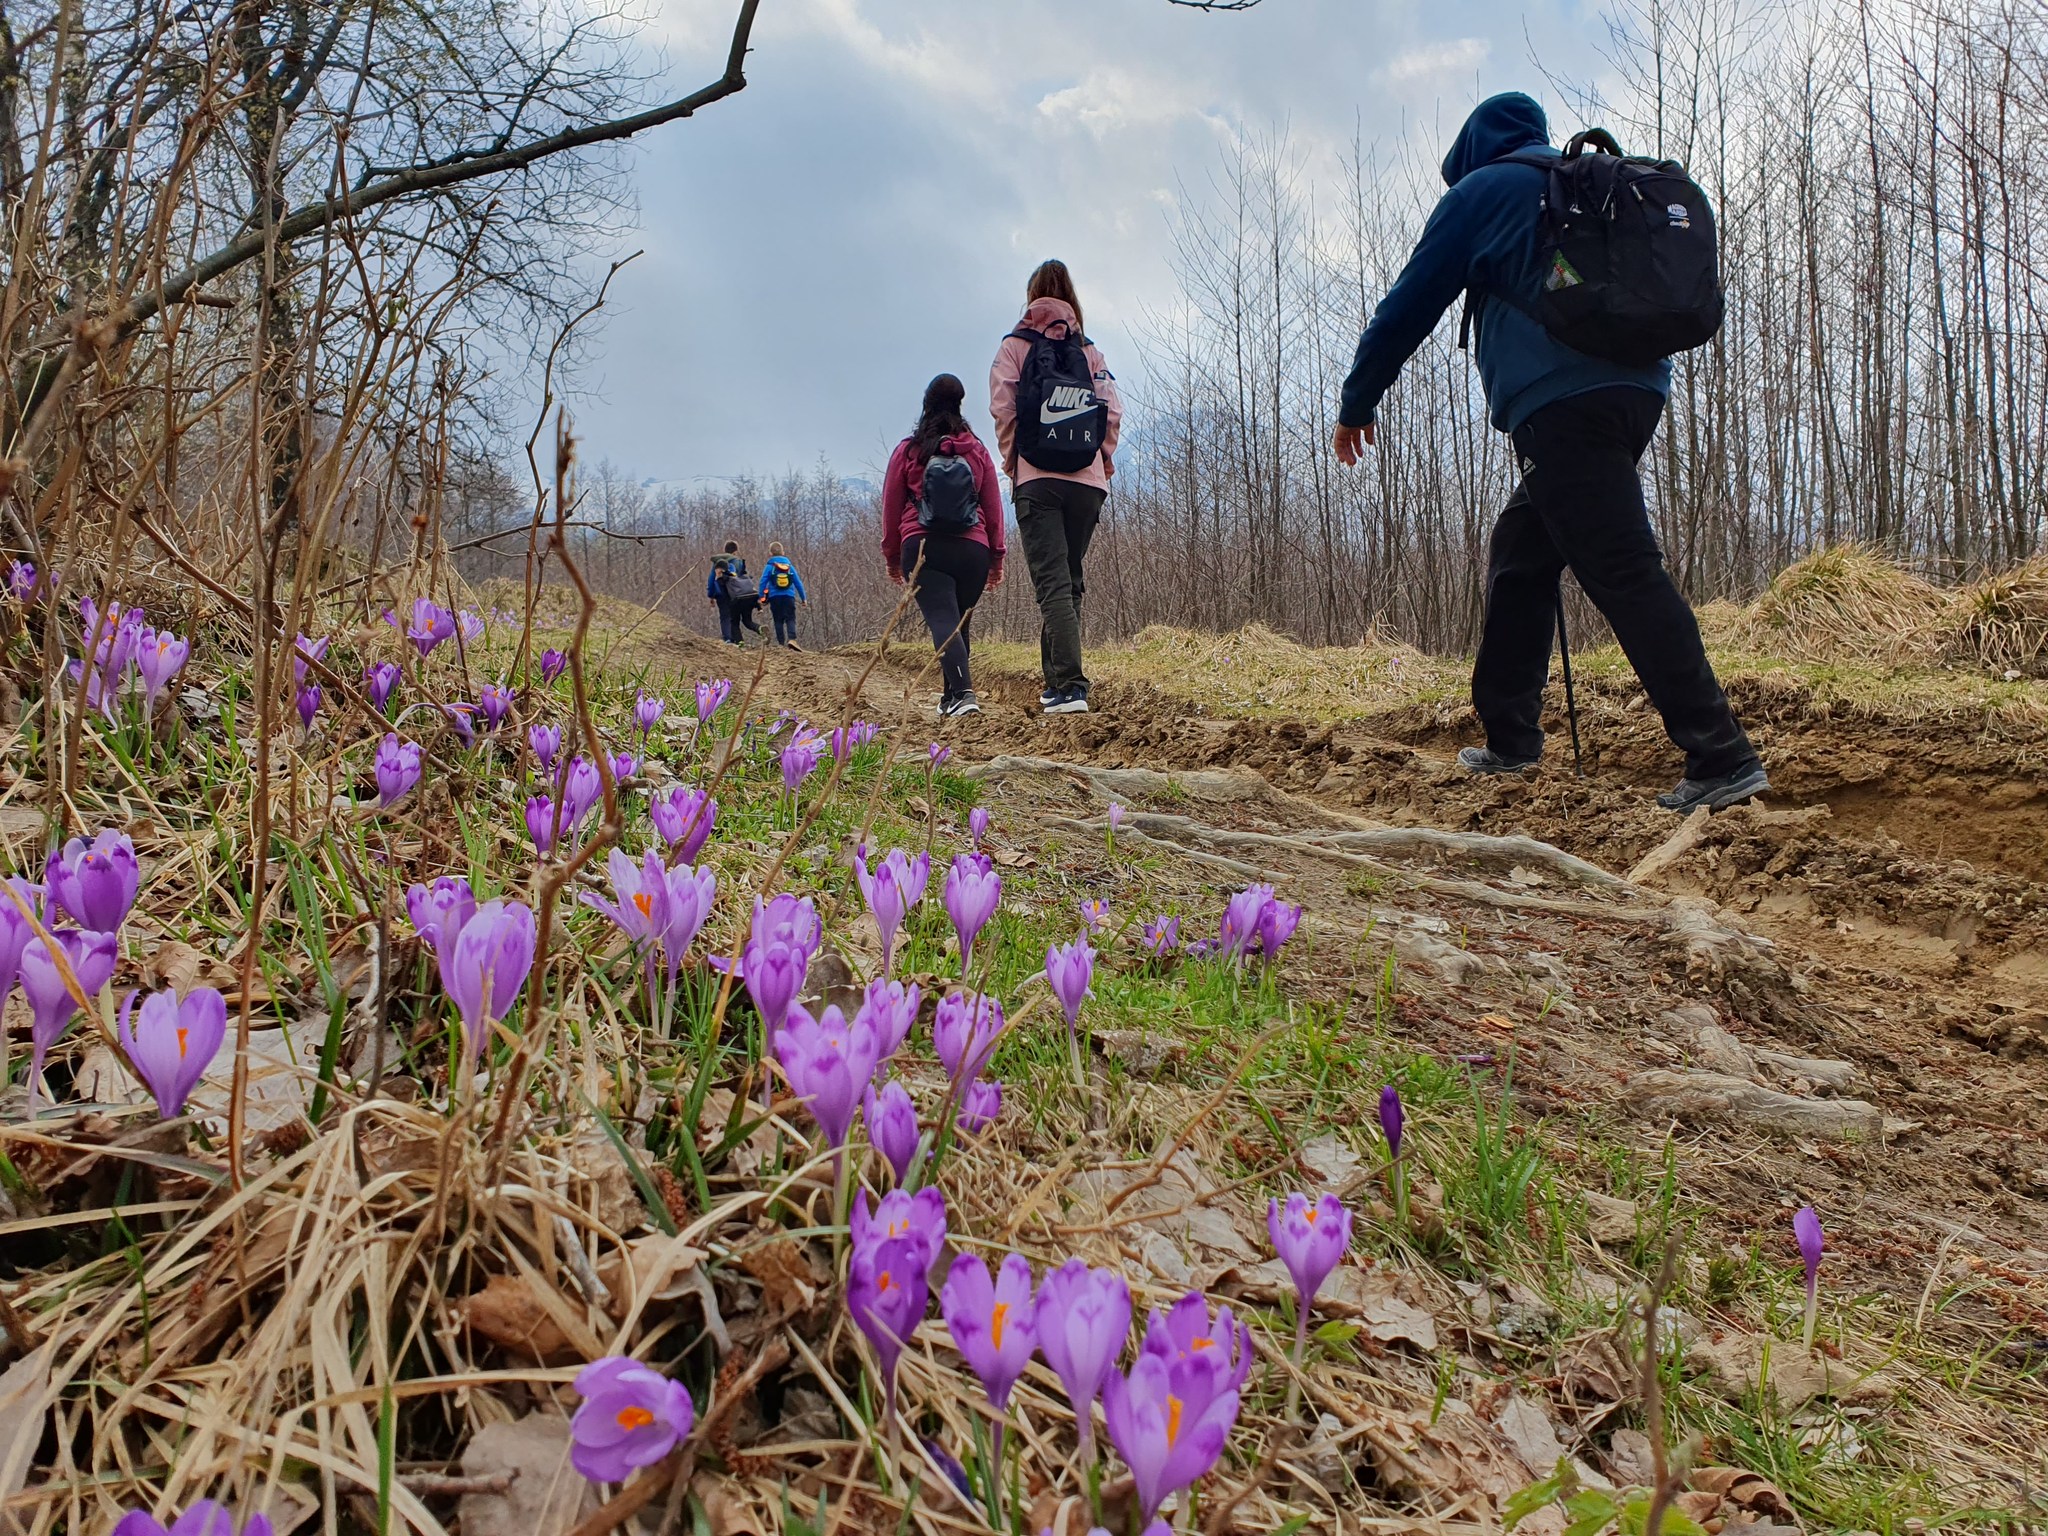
x=1839, y=995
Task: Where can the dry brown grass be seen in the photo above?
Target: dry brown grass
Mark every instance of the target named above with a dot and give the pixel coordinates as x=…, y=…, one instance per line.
x=1848, y=603
x=2001, y=622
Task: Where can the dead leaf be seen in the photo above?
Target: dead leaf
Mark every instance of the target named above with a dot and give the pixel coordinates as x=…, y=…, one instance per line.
x=1734, y=1367
x=511, y=1314
x=790, y=1282
x=1141, y=1052
x=1014, y=858
x=1497, y=1021
x=1330, y=1160
x=545, y=1495
x=614, y=1197
x=1631, y=1459
x=660, y=1267
x=725, y=1507
x=22, y=1416
x=1529, y=1430
x=176, y=964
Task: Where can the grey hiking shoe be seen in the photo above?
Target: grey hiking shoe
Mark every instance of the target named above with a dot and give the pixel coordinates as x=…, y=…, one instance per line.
x=1716, y=794
x=1486, y=760
x=968, y=703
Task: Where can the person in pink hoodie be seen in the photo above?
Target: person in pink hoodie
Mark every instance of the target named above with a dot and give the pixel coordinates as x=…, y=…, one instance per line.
x=942, y=530
x=1057, y=413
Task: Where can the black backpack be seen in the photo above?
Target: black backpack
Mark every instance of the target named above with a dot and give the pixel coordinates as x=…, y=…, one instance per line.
x=1632, y=269
x=1060, y=418
x=949, y=505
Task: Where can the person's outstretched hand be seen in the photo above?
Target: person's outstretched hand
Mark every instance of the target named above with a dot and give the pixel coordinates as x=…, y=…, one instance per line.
x=1351, y=443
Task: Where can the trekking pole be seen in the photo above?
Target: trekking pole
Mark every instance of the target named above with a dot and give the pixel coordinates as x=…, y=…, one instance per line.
x=1571, y=703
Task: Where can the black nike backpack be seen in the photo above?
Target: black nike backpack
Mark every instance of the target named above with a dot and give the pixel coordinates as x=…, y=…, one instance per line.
x=1060, y=418
x=949, y=505
x=1631, y=265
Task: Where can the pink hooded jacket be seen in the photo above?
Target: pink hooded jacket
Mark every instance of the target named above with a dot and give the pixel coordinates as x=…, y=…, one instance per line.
x=903, y=487
x=1043, y=315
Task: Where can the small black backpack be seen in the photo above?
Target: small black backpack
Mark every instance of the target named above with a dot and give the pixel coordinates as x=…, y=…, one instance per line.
x=1632, y=269
x=949, y=506
x=1060, y=418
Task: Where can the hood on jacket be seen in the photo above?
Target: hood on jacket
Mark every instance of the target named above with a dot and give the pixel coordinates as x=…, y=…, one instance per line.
x=1498, y=126
x=1042, y=313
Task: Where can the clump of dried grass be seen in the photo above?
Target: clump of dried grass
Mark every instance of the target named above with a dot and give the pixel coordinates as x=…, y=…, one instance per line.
x=1258, y=669
x=2000, y=623
x=1846, y=603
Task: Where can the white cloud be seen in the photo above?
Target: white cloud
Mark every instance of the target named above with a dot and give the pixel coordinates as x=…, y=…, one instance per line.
x=1456, y=56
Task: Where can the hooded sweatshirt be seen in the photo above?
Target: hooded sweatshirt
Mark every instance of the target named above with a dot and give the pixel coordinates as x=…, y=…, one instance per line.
x=1483, y=236
x=903, y=488
x=1055, y=318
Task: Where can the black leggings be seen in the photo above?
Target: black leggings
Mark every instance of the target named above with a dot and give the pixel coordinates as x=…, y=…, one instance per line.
x=947, y=588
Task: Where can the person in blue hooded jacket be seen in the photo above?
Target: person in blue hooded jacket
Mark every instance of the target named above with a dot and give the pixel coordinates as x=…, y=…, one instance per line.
x=1579, y=425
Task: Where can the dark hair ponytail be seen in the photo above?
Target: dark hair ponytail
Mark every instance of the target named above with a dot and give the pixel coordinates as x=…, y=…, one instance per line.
x=940, y=417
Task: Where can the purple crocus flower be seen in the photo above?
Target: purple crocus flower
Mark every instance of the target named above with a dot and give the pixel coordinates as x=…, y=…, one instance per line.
x=397, y=768
x=799, y=761
x=829, y=1063
x=1116, y=818
x=172, y=1041
x=540, y=822
x=1094, y=914
x=977, y=826
x=95, y=883
x=553, y=664
x=1162, y=936
x=1241, y=915
x=545, y=742
x=774, y=974
x=1276, y=926
x=887, y=1293
x=892, y=892
x=90, y=957
x=472, y=625
x=381, y=681
x=892, y=1126
x=683, y=818
x=973, y=890
x=631, y=1416
x=1169, y=1422
x=993, y=1321
x=891, y=1008
x=964, y=1033
x=919, y=1218
x=494, y=703
x=21, y=580
x=1806, y=1232
x=160, y=659
x=1069, y=970
x=1084, y=1316
x=938, y=755
x=711, y=697
x=647, y=709
x=305, y=651
x=980, y=1103
x=841, y=743
x=688, y=897
x=15, y=928
x=1310, y=1238
x=461, y=720
x=625, y=767
x=440, y=911
x=787, y=919
x=1391, y=1118
x=203, y=1517
x=1186, y=1332
x=308, y=704
x=483, y=970
x=431, y=624
x=641, y=889
x=582, y=788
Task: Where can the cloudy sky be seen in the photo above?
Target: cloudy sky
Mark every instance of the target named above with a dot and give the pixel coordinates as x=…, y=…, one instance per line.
x=865, y=213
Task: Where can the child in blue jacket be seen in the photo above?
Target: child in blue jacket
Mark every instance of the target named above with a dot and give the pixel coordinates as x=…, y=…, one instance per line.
x=782, y=589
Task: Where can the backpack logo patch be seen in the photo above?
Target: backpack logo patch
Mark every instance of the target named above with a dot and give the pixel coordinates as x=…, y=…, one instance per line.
x=1065, y=402
x=1680, y=217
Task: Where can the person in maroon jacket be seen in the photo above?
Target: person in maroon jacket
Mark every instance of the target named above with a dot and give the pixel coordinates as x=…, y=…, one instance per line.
x=942, y=530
